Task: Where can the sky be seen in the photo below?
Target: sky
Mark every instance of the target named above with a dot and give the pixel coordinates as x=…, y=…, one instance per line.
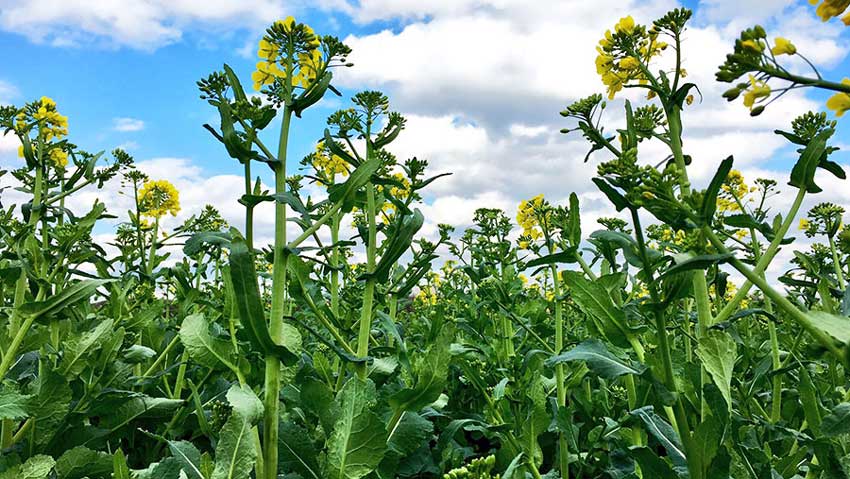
x=481, y=83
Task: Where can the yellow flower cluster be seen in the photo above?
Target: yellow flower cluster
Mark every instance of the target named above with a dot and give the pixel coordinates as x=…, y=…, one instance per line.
x=617, y=70
x=804, y=224
x=832, y=8
x=731, y=289
x=783, y=47
x=839, y=102
x=276, y=63
x=53, y=125
x=158, y=197
x=527, y=217
x=756, y=91
x=327, y=163
x=57, y=156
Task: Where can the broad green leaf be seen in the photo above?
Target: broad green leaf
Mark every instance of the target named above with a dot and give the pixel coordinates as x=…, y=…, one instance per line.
x=50, y=404
x=120, y=470
x=554, y=258
x=345, y=192
x=296, y=452
x=837, y=422
x=408, y=435
x=358, y=441
x=701, y=262
x=235, y=453
x=718, y=353
x=81, y=462
x=188, y=456
x=836, y=326
x=251, y=312
x=651, y=465
x=13, y=404
x=803, y=172
x=595, y=301
x=195, y=243
x=663, y=433
x=70, y=295
x=139, y=407
x=809, y=400
x=36, y=467
x=709, y=199
x=430, y=372
x=88, y=342
x=203, y=348
x=399, y=242
x=598, y=359
x=138, y=354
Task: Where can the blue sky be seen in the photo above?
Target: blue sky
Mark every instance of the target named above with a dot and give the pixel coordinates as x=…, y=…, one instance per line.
x=481, y=83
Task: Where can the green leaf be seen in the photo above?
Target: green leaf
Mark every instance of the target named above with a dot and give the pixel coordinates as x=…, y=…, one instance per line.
x=68, y=296
x=595, y=301
x=836, y=326
x=358, y=441
x=663, y=433
x=803, y=172
x=235, y=453
x=203, y=348
x=554, y=258
x=399, y=242
x=345, y=192
x=296, y=452
x=709, y=199
x=235, y=84
x=13, y=404
x=718, y=353
x=36, y=467
x=81, y=462
x=809, y=400
x=247, y=297
x=189, y=458
x=598, y=359
x=120, y=470
x=195, y=243
x=84, y=345
x=430, y=371
x=139, y=407
x=615, y=197
x=408, y=435
x=651, y=465
x=686, y=262
x=837, y=422
x=138, y=354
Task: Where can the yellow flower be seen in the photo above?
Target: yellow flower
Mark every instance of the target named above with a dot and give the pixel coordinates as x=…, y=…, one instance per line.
x=629, y=63
x=804, y=224
x=689, y=99
x=275, y=62
x=626, y=24
x=757, y=90
x=832, y=8
x=528, y=219
x=58, y=157
x=783, y=47
x=21, y=151
x=839, y=102
x=158, y=197
x=754, y=45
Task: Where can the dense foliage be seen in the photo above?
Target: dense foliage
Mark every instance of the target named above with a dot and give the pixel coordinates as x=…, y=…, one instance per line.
x=627, y=352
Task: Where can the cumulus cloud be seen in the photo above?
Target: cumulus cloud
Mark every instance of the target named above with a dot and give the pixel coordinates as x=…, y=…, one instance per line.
x=143, y=24
x=125, y=124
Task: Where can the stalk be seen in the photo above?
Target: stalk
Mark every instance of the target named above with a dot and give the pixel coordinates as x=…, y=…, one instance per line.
x=272, y=374
x=563, y=450
x=781, y=301
x=371, y=251
x=836, y=263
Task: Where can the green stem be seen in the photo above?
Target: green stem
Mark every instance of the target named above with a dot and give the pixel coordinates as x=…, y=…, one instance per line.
x=369, y=290
x=765, y=259
x=781, y=301
x=836, y=263
x=272, y=374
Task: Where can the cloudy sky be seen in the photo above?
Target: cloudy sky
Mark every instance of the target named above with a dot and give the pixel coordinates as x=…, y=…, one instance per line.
x=480, y=81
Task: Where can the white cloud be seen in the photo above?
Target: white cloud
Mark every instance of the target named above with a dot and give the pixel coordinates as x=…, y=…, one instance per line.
x=7, y=92
x=142, y=24
x=127, y=124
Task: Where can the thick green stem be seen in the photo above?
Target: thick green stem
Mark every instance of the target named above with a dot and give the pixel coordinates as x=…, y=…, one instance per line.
x=836, y=263
x=369, y=290
x=781, y=301
x=764, y=260
x=563, y=449
x=272, y=374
